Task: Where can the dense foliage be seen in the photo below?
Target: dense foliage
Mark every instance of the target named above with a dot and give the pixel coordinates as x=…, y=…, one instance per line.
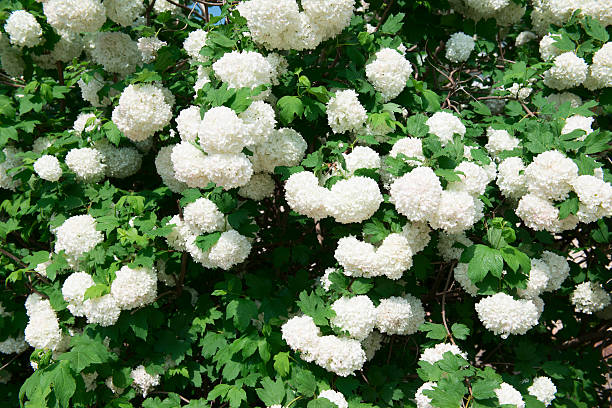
x=308, y=203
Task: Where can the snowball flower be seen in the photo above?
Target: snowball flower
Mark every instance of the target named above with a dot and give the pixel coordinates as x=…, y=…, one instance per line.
x=459, y=47
x=77, y=235
x=231, y=249
x=539, y=274
x=458, y=211
x=388, y=73
x=143, y=109
x=165, y=169
x=504, y=315
x=80, y=124
x=358, y=258
x=87, y=164
x=203, y=216
x=221, y=131
x=559, y=99
x=188, y=123
x=422, y=400
x=436, y=353
x=300, y=332
x=340, y=355
x=194, y=43
x=361, y=157
x=134, y=287
x=511, y=179
x=13, y=345
x=356, y=315
x=578, y=122
x=148, y=47
x=189, y=165
x=595, y=197
x=74, y=289
x=77, y=16
x=124, y=12
x=345, y=113
x=445, y=125
x=372, y=344
x=416, y=194
x=589, y=297
x=143, y=381
x=473, y=181
x=461, y=276
x=116, y=52
x=335, y=397
x=508, y=395
x=600, y=72
x=559, y=270
x=259, y=187
x=121, y=162
x=450, y=246
x=48, y=168
x=499, y=140
x=89, y=91
x=228, y=170
x=568, y=71
x=23, y=29
x=103, y=310
x=543, y=389
x=342, y=204
x=284, y=147
x=399, y=315
x=410, y=147
x=246, y=69
x=548, y=50
x=305, y=196
x=550, y=175
x=538, y=213
x=258, y=122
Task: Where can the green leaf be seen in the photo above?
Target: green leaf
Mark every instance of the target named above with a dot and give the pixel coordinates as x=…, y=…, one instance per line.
x=313, y=306
x=434, y=330
x=241, y=311
x=595, y=29
x=460, y=331
x=305, y=382
x=63, y=383
x=375, y=231
x=205, y=242
x=281, y=363
x=272, y=393
x=321, y=403
x=216, y=37
x=290, y=107
x=516, y=259
x=393, y=24
x=96, y=291
x=313, y=160
x=484, y=389
x=481, y=260
x=556, y=369
x=236, y=396
x=85, y=351
x=433, y=100
x=568, y=207
x=448, y=393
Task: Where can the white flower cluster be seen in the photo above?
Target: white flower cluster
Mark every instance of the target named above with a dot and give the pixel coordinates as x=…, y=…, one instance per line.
x=445, y=125
x=48, y=168
x=134, y=287
x=116, y=52
x=66, y=49
x=600, y=71
x=335, y=397
x=77, y=16
x=450, y=246
x=345, y=113
x=10, y=161
x=508, y=395
x=203, y=216
x=143, y=381
x=23, y=29
x=557, y=12
x=511, y=179
x=400, y=315
x=589, y=297
x=42, y=331
x=121, y=162
x=80, y=124
x=102, y=310
x=142, y=110
x=459, y=47
x=13, y=345
x=559, y=99
x=89, y=91
x=578, y=122
x=165, y=169
x=87, y=164
x=422, y=400
x=124, y=12
x=306, y=197
x=259, y=187
x=281, y=25
x=504, y=315
x=148, y=47
x=284, y=147
x=436, y=353
x=194, y=43
x=77, y=235
x=595, y=197
x=499, y=140
x=246, y=69
x=356, y=315
x=388, y=73
x=410, y=147
x=543, y=389
x=505, y=12
x=188, y=123
x=568, y=71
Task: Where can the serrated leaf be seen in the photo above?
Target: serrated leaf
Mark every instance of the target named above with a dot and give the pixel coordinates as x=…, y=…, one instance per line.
x=96, y=291
x=241, y=311
x=482, y=260
x=434, y=330
x=290, y=107
x=305, y=382
x=272, y=393
x=460, y=331
x=393, y=24
x=205, y=242
x=281, y=363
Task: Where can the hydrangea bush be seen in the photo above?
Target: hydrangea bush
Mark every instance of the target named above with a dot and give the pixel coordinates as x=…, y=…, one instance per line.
x=314, y=203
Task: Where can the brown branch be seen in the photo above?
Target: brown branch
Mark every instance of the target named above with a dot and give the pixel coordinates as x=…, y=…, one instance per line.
x=148, y=12
x=187, y=8
x=601, y=333
x=444, y=304
x=384, y=16
x=11, y=360
x=13, y=257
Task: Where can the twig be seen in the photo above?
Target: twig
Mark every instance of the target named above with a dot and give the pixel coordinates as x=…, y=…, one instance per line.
x=148, y=12
x=13, y=257
x=11, y=360
x=444, y=304
x=384, y=16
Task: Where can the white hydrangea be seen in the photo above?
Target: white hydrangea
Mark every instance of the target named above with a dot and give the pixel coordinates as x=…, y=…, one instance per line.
x=13, y=345
x=271, y=23
x=410, y=147
x=343, y=206
x=68, y=47
x=559, y=270
x=399, y=315
x=12, y=63
x=345, y=113
x=48, y=168
x=74, y=289
x=165, y=169
x=89, y=91
x=511, y=179
x=116, y=52
x=284, y=147
x=361, y=157
x=538, y=213
x=473, y=181
x=77, y=16
x=258, y=122
x=162, y=6
x=436, y=353
x=461, y=276
x=548, y=50
x=124, y=12
x=221, y=131
x=203, y=216
x=335, y=397
x=543, y=389
x=41, y=144
x=80, y=124
x=417, y=194
x=10, y=161
x=23, y=29
x=329, y=17
x=459, y=47
x=559, y=99
x=121, y=162
x=143, y=381
x=394, y=256
x=148, y=47
x=504, y=315
x=231, y=249
x=143, y=109
x=578, y=122
x=358, y=258
x=356, y=315
x=568, y=71
x=388, y=73
x=506, y=12
x=499, y=140
x=188, y=123
x=42, y=330
x=246, y=69
x=524, y=37
x=134, y=287
x=300, y=333
x=279, y=66
x=194, y=43
x=259, y=187
x=445, y=125
x=539, y=276
x=589, y=297
x=458, y=211
x=600, y=72
x=228, y=170
x=551, y=175
x=595, y=197
x=372, y=344
x=189, y=164
x=103, y=310
x=417, y=235
x=77, y=235
x=422, y=400
x=305, y=196
x=87, y=164
x=324, y=280
x=450, y=246
x=340, y=355
x=508, y=395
